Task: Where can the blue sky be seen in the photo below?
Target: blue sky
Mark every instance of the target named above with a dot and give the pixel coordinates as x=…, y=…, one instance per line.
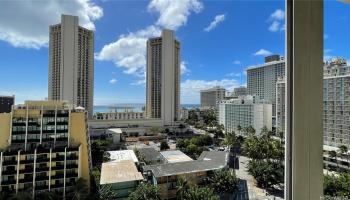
x=240, y=35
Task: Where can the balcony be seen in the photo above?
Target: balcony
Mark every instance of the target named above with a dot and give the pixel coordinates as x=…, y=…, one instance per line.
x=9, y=172
x=42, y=187
x=42, y=160
x=71, y=166
x=57, y=185
x=9, y=162
x=58, y=176
x=27, y=170
x=58, y=158
x=18, y=132
x=72, y=157
x=26, y=180
x=41, y=178
x=71, y=175
x=42, y=169
x=57, y=167
x=8, y=182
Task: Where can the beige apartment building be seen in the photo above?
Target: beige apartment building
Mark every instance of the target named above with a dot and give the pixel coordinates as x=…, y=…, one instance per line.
x=163, y=78
x=210, y=97
x=71, y=63
x=44, y=146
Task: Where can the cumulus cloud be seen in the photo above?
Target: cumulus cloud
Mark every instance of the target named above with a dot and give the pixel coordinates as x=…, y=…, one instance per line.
x=190, y=89
x=113, y=81
x=173, y=14
x=276, y=18
x=217, y=20
x=263, y=52
x=26, y=23
x=129, y=51
x=234, y=74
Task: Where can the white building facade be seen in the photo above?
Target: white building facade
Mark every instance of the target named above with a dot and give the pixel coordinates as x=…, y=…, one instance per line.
x=336, y=103
x=261, y=79
x=71, y=63
x=245, y=111
x=163, y=78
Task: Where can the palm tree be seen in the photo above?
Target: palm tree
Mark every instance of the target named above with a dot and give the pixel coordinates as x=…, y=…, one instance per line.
x=200, y=193
x=182, y=187
x=344, y=153
x=224, y=181
x=333, y=155
x=239, y=128
x=145, y=191
x=107, y=193
x=80, y=190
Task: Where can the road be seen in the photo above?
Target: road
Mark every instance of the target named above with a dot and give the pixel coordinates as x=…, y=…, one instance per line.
x=248, y=189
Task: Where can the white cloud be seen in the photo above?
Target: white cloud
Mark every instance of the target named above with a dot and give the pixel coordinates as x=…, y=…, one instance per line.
x=277, y=15
x=263, y=52
x=217, y=20
x=276, y=18
x=129, y=51
x=26, y=23
x=173, y=14
x=237, y=62
x=113, y=81
x=183, y=67
x=275, y=26
x=190, y=89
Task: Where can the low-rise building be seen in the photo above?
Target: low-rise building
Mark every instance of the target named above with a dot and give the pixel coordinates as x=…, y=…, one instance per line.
x=166, y=176
x=123, y=177
x=184, y=114
x=245, y=111
x=119, y=115
x=174, y=156
x=116, y=156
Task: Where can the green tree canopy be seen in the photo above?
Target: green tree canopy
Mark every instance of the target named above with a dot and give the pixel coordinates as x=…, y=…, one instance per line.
x=145, y=191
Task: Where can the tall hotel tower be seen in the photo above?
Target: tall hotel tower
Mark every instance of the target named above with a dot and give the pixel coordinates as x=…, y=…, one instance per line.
x=163, y=78
x=71, y=63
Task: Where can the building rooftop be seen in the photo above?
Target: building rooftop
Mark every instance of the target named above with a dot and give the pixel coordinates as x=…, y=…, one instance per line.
x=122, y=171
x=151, y=155
x=208, y=161
x=175, y=156
x=116, y=156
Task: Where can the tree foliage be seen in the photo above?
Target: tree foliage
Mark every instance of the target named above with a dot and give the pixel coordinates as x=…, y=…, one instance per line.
x=223, y=181
x=200, y=193
x=337, y=185
x=164, y=145
x=106, y=193
x=267, y=155
x=145, y=191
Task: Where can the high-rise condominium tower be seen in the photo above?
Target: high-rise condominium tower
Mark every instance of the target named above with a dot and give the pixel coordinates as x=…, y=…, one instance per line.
x=261, y=79
x=163, y=78
x=336, y=103
x=210, y=97
x=71, y=63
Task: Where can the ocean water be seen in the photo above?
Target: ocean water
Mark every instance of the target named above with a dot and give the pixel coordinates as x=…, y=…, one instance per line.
x=135, y=107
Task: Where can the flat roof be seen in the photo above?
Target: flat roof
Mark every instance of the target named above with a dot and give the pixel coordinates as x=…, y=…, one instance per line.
x=175, y=156
x=117, y=172
x=207, y=161
x=116, y=130
x=116, y=156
